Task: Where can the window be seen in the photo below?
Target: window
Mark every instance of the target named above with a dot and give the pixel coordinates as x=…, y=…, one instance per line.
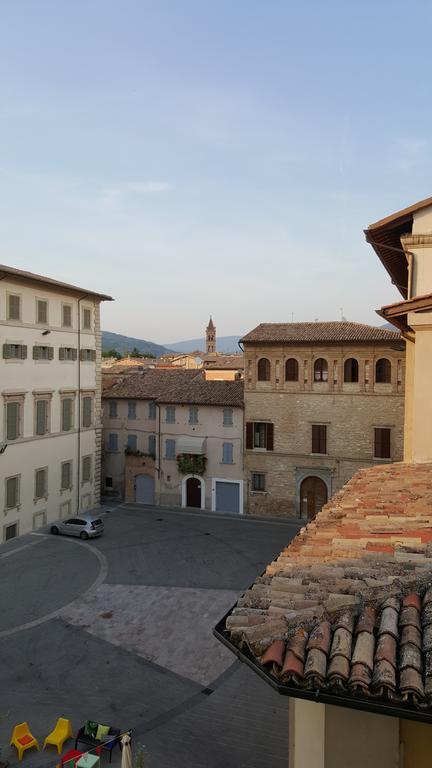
x=87, y=411
x=383, y=371
x=108, y=482
x=170, y=449
x=113, y=409
x=258, y=481
x=41, y=312
x=10, y=531
x=86, y=319
x=320, y=370
x=42, y=352
x=67, y=353
x=67, y=315
x=319, y=438
x=86, y=469
x=113, y=441
x=131, y=409
x=12, y=491
x=66, y=475
x=351, y=371
x=291, y=369
x=67, y=414
x=227, y=453
x=88, y=355
x=382, y=443
x=193, y=415
x=14, y=351
x=170, y=414
x=227, y=417
x=132, y=442
x=152, y=445
x=41, y=483
x=14, y=307
x=42, y=417
x=152, y=410
x=13, y=420
x=263, y=369
x=259, y=435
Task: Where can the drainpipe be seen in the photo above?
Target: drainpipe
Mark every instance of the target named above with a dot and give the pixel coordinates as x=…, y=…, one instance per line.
x=158, y=468
x=79, y=403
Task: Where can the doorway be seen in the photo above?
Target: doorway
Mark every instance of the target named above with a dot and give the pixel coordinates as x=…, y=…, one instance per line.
x=193, y=492
x=144, y=489
x=313, y=496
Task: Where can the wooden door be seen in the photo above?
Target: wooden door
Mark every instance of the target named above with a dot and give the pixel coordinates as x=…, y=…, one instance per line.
x=313, y=496
x=193, y=492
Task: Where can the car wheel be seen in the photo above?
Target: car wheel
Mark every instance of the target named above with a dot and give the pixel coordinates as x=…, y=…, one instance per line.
x=54, y=529
x=84, y=535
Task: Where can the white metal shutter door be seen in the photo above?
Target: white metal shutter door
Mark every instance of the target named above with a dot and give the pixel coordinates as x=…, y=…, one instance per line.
x=227, y=497
x=144, y=489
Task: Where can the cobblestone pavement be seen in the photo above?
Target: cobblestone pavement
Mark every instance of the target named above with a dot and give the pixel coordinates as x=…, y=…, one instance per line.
x=120, y=630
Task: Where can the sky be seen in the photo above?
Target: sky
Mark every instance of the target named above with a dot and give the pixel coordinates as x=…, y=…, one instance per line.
x=191, y=157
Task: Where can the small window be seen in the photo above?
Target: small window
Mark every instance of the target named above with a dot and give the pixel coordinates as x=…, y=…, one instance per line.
x=259, y=435
x=351, y=371
x=67, y=315
x=319, y=438
x=113, y=409
x=42, y=352
x=258, y=481
x=383, y=371
x=86, y=319
x=88, y=355
x=382, y=448
x=132, y=442
x=193, y=414
x=66, y=475
x=170, y=449
x=67, y=353
x=113, y=441
x=13, y=420
x=86, y=469
x=132, y=409
x=152, y=410
x=291, y=369
x=87, y=411
x=15, y=351
x=67, y=414
x=41, y=312
x=152, y=445
x=10, y=532
x=108, y=482
x=263, y=369
x=12, y=491
x=320, y=370
x=227, y=453
x=170, y=414
x=14, y=307
x=41, y=483
x=42, y=414
x=227, y=417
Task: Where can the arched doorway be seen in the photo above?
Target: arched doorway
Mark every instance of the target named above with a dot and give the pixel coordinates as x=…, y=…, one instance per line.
x=313, y=496
x=193, y=492
x=144, y=489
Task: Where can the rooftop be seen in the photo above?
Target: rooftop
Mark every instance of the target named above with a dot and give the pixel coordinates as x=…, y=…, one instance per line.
x=31, y=277
x=319, y=333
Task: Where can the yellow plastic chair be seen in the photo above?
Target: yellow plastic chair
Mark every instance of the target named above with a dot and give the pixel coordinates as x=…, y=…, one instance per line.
x=23, y=739
x=61, y=733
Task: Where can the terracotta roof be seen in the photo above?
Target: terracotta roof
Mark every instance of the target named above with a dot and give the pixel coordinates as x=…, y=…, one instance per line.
x=318, y=333
x=345, y=611
x=40, y=279
x=171, y=385
x=227, y=362
x=397, y=313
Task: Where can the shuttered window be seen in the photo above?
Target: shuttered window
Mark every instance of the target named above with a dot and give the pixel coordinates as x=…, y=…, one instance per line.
x=41, y=352
x=319, y=438
x=67, y=316
x=41, y=311
x=131, y=409
x=382, y=443
x=67, y=414
x=13, y=420
x=10, y=532
x=113, y=409
x=152, y=410
x=113, y=441
x=88, y=355
x=87, y=409
x=86, y=319
x=66, y=475
x=170, y=449
x=193, y=415
x=14, y=307
x=14, y=351
x=41, y=483
x=42, y=410
x=86, y=469
x=170, y=414
x=227, y=453
x=227, y=417
x=152, y=445
x=12, y=491
x=132, y=442
x=68, y=353
x=259, y=434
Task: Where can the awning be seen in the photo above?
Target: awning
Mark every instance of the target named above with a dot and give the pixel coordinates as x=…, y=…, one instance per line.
x=195, y=445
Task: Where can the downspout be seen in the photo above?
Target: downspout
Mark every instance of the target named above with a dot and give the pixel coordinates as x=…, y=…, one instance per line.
x=158, y=468
x=79, y=403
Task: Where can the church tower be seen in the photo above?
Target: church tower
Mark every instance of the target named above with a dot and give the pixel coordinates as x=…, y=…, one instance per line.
x=211, y=338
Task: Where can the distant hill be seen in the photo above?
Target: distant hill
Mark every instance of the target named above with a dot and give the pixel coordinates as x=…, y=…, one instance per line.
x=124, y=344
x=223, y=344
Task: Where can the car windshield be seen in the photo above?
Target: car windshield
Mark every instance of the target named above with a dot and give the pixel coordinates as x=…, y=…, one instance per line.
x=96, y=522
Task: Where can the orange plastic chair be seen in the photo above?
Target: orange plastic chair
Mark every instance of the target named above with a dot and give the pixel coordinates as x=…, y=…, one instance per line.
x=23, y=739
x=61, y=733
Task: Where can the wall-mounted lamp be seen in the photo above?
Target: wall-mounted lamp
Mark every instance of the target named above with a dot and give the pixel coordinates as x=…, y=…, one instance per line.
x=3, y=447
x=45, y=333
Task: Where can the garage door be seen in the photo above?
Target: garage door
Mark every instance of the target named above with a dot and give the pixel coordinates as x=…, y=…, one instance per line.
x=144, y=489
x=227, y=497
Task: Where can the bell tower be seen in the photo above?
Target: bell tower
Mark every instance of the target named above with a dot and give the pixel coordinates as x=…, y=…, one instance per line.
x=211, y=338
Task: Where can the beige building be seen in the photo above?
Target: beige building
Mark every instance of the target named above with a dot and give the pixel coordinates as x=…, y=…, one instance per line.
x=322, y=400
x=175, y=439
x=50, y=382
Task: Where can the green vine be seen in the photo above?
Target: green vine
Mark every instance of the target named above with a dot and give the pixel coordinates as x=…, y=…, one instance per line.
x=132, y=452
x=191, y=464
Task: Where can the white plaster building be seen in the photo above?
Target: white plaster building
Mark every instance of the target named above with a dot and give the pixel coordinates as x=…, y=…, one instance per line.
x=50, y=387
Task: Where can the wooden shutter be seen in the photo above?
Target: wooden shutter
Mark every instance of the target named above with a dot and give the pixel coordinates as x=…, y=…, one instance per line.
x=86, y=469
x=50, y=353
x=67, y=316
x=66, y=475
x=62, y=353
x=269, y=437
x=14, y=307
x=74, y=354
x=36, y=353
x=42, y=312
x=23, y=351
x=152, y=445
x=11, y=492
x=66, y=414
x=385, y=441
x=87, y=411
x=319, y=438
x=323, y=438
x=249, y=435
x=7, y=351
x=41, y=417
x=12, y=420
x=40, y=483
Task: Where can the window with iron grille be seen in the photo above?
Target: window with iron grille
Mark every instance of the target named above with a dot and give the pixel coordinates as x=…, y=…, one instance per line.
x=41, y=312
x=14, y=307
x=382, y=446
x=67, y=316
x=227, y=453
x=227, y=417
x=170, y=414
x=67, y=404
x=14, y=351
x=13, y=420
x=12, y=494
x=10, y=531
x=66, y=475
x=86, y=469
x=42, y=416
x=319, y=438
x=258, y=481
x=41, y=483
x=86, y=319
x=112, y=409
x=193, y=414
x=87, y=411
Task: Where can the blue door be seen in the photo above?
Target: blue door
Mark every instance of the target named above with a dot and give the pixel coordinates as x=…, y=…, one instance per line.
x=227, y=497
x=144, y=489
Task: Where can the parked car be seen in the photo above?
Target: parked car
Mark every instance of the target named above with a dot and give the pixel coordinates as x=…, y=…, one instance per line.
x=86, y=526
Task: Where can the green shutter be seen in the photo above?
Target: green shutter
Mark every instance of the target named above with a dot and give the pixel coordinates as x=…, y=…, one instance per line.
x=36, y=353
x=42, y=312
x=86, y=411
x=12, y=421
x=41, y=417
x=74, y=354
x=6, y=351
x=50, y=353
x=66, y=475
x=11, y=492
x=40, y=483
x=14, y=307
x=62, y=353
x=66, y=414
x=23, y=351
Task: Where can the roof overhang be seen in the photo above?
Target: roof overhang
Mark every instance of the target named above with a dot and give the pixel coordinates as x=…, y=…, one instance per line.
x=397, y=313
x=48, y=282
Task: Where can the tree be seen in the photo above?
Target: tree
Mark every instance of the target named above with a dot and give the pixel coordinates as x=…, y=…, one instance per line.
x=111, y=353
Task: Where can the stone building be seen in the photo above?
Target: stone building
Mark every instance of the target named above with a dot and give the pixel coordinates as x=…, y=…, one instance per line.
x=175, y=439
x=322, y=400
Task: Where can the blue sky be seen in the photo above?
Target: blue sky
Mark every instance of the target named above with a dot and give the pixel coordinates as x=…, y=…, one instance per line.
x=193, y=157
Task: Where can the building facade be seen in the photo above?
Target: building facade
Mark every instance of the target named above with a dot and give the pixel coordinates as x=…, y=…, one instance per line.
x=322, y=400
x=172, y=438
x=50, y=425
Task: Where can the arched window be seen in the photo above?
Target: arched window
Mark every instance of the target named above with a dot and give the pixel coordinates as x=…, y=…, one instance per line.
x=383, y=371
x=320, y=370
x=263, y=369
x=291, y=370
x=351, y=370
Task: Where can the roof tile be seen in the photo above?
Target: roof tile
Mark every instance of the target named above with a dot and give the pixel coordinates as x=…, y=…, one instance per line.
x=328, y=332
